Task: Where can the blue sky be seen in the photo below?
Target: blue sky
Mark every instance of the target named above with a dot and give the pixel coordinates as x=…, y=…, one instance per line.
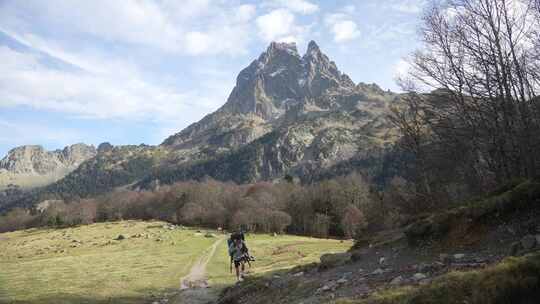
x=131, y=72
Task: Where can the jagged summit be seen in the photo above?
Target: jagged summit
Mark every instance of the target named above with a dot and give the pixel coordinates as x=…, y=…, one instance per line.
x=280, y=76
x=278, y=85
x=289, y=47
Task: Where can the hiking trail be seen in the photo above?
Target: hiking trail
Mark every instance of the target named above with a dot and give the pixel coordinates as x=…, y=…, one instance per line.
x=194, y=286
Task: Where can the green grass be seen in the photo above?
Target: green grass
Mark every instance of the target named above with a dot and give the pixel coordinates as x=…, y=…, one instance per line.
x=47, y=266
x=274, y=253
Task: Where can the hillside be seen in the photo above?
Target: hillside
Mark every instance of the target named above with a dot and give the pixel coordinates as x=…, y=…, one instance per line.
x=287, y=115
x=486, y=251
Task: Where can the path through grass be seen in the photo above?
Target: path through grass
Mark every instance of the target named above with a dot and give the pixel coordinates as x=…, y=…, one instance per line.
x=87, y=265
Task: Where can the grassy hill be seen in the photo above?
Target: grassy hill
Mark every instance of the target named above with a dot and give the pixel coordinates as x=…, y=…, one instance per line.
x=87, y=264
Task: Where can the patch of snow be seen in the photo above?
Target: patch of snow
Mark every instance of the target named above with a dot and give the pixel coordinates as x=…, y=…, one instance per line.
x=277, y=72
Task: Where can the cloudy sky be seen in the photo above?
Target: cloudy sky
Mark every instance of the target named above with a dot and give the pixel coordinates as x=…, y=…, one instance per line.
x=131, y=72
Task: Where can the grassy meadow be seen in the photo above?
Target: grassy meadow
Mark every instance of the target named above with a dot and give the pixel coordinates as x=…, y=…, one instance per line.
x=87, y=264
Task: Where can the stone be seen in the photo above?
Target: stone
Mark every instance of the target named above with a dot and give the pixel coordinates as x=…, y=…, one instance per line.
x=298, y=274
x=419, y=276
x=382, y=261
x=459, y=256
x=444, y=258
x=342, y=281
x=120, y=237
x=326, y=288
x=378, y=271
x=332, y=260
x=528, y=242
x=397, y=280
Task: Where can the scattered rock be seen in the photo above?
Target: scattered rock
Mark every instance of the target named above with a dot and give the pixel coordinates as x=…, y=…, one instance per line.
x=459, y=256
x=326, y=288
x=444, y=258
x=528, y=242
x=419, y=276
x=378, y=271
x=120, y=237
x=397, y=280
x=333, y=260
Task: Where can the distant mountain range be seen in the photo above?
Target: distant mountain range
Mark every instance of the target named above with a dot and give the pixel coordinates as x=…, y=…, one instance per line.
x=287, y=115
x=32, y=166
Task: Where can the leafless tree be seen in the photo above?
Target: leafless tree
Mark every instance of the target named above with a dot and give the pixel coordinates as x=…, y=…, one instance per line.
x=479, y=56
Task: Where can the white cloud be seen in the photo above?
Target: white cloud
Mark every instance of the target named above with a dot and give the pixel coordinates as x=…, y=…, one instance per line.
x=297, y=6
x=342, y=27
x=408, y=6
x=401, y=68
x=165, y=25
x=114, y=94
x=278, y=25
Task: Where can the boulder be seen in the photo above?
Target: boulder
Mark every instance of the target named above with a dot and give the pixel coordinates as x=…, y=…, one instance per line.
x=459, y=256
x=333, y=260
x=120, y=237
x=419, y=276
x=382, y=261
x=378, y=271
x=397, y=280
x=444, y=258
x=528, y=242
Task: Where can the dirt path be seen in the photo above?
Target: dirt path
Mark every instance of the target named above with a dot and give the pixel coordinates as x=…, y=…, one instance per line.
x=194, y=286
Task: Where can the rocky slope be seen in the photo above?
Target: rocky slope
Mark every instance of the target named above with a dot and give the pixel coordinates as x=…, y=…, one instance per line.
x=30, y=166
x=486, y=251
x=287, y=114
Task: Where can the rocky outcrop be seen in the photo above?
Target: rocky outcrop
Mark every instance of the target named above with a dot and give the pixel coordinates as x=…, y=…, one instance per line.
x=32, y=165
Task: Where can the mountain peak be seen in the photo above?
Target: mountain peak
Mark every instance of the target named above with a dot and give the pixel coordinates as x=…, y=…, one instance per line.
x=312, y=47
x=289, y=47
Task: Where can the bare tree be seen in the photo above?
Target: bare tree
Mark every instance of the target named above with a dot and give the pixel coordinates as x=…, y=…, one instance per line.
x=479, y=55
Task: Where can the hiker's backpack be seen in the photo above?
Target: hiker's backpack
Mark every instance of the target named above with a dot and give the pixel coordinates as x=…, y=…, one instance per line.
x=236, y=236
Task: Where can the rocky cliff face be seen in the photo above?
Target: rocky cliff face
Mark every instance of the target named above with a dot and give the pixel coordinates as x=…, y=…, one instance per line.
x=287, y=114
x=28, y=166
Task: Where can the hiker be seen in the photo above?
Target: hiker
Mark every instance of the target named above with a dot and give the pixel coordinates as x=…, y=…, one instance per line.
x=237, y=254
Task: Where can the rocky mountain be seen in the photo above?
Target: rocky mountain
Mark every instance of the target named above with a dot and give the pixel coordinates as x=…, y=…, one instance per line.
x=30, y=166
x=287, y=114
